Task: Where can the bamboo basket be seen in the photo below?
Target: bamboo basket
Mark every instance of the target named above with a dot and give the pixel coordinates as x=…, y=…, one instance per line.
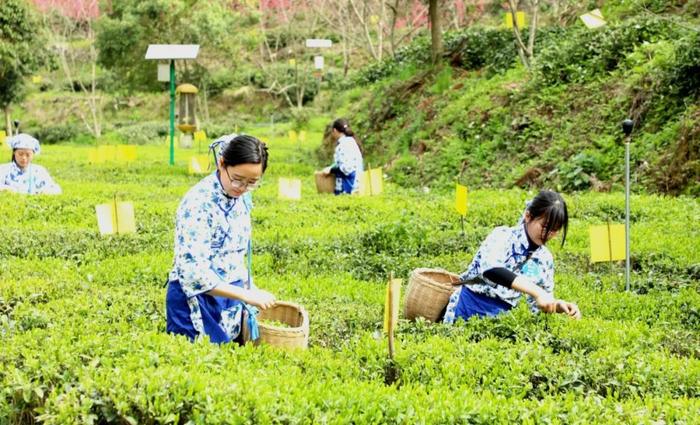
x=325, y=183
x=428, y=292
x=294, y=336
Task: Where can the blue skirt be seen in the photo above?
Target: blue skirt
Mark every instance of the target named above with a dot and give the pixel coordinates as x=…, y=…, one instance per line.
x=347, y=182
x=473, y=304
x=179, y=320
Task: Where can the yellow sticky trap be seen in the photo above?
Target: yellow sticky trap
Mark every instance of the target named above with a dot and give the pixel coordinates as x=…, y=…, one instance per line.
x=292, y=62
x=391, y=304
x=96, y=156
x=126, y=153
x=461, y=199
x=607, y=242
x=116, y=217
x=520, y=16
x=302, y=136
x=376, y=181
x=108, y=152
x=200, y=136
x=37, y=79
x=292, y=136
x=365, y=189
x=3, y=139
x=289, y=189
x=126, y=222
x=593, y=19
x=198, y=164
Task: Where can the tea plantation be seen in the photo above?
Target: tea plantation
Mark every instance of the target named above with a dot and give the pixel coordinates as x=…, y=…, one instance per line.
x=82, y=326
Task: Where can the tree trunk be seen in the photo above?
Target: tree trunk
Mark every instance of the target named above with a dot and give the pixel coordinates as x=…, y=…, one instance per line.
x=526, y=53
x=435, y=31
x=8, y=121
x=392, y=29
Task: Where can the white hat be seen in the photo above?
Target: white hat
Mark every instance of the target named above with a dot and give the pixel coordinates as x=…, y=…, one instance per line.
x=24, y=141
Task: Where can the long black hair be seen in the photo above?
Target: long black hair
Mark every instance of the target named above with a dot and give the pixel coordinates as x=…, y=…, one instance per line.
x=343, y=126
x=245, y=149
x=551, y=206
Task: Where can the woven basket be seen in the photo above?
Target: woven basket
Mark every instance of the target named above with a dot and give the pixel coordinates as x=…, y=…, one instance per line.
x=294, y=336
x=325, y=183
x=428, y=292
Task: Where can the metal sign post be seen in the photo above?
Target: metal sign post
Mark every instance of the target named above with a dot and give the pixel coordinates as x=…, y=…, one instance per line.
x=172, y=52
x=627, y=127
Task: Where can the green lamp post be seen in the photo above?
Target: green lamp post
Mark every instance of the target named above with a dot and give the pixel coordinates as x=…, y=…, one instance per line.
x=172, y=52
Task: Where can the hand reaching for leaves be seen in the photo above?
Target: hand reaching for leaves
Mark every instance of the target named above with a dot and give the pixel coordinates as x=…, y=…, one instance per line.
x=259, y=298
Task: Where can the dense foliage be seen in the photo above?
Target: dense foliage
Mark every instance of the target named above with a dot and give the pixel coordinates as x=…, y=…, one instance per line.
x=82, y=329
x=22, y=48
x=482, y=119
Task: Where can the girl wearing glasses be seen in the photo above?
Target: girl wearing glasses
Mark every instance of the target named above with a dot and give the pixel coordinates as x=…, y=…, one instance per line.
x=210, y=289
x=512, y=262
x=20, y=175
x=347, y=166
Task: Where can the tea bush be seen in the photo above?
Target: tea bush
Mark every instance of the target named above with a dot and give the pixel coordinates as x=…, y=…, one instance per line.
x=82, y=327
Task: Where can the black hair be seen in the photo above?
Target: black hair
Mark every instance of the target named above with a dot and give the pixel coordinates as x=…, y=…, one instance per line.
x=245, y=149
x=343, y=126
x=551, y=206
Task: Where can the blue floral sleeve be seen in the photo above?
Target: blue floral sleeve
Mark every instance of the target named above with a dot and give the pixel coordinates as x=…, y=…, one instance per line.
x=540, y=270
x=44, y=183
x=193, y=254
x=493, y=252
x=347, y=156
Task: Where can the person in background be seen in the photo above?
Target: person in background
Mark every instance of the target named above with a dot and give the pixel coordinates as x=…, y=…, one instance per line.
x=514, y=261
x=347, y=166
x=20, y=175
x=210, y=289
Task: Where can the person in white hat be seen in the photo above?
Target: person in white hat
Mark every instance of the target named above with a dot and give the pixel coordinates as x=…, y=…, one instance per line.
x=20, y=175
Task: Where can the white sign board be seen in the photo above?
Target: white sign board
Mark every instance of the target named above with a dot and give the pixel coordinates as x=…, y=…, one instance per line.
x=164, y=72
x=593, y=19
x=318, y=62
x=318, y=42
x=172, y=51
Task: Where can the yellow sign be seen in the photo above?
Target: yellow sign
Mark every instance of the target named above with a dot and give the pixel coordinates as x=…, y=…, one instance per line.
x=126, y=153
x=115, y=217
x=292, y=136
x=376, y=181
x=96, y=156
x=106, y=153
x=461, y=199
x=391, y=305
x=289, y=189
x=607, y=242
x=292, y=62
x=371, y=182
x=520, y=17
x=109, y=152
x=198, y=164
x=365, y=189
x=593, y=19
x=200, y=136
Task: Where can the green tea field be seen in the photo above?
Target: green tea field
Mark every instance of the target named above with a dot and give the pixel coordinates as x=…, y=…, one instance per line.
x=82, y=316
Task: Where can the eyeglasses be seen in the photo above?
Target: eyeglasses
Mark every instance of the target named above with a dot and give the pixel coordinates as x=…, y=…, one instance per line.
x=240, y=184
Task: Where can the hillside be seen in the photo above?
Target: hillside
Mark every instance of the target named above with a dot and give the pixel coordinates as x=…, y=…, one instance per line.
x=482, y=119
